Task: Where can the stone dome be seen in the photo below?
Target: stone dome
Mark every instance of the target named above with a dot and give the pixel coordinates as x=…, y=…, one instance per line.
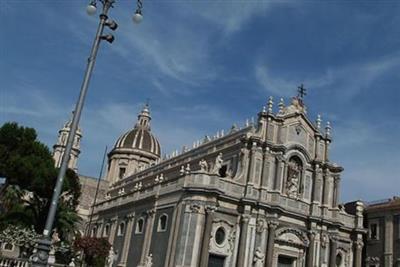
x=140, y=137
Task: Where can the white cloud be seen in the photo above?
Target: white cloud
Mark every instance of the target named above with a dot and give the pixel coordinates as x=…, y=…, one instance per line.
x=231, y=16
x=272, y=84
x=348, y=80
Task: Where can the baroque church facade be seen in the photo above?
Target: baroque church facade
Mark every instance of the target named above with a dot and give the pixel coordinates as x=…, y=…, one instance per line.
x=266, y=194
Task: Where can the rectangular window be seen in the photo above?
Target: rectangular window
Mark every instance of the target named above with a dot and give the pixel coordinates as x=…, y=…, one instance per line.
x=373, y=231
x=121, y=172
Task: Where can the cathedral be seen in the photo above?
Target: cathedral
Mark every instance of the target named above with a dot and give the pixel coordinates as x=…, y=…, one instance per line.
x=265, y=194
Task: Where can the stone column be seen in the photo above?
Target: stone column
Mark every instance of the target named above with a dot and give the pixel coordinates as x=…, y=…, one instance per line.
x=243, y=238
x=317, y=185
x=269, y=167
x=262, y=230
x=209, y=210
x=336, y=192
x=271, y=243
x=250, y=180
x=326, y=188
x=279, y=173
x=113, y=222
x=127, y=239
x=148, y=235
x=358, y=246
x=332, y=251
x=311, y=248
x=389, y=237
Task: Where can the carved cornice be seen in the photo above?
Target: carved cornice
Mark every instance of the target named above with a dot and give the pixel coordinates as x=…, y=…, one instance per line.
x=299, y=233
x=273, y=224
x=210, y=208
x=195, y=208
x=359, y=244
x=151, y=212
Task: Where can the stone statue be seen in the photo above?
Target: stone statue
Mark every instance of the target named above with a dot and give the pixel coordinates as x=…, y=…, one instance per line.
x=203, y=165
x=72, y=263
x=294, y=172
x=258, y=260
x=217, y=164
x=111, y=257
x=148, y=262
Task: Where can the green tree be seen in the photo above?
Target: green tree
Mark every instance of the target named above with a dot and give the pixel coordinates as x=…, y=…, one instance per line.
x=30, y=175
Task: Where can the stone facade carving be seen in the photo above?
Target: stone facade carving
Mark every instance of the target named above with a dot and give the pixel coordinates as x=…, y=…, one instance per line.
x=259, y=257
x=217, y=164
x=148, y=262
x=270, y=167
x=286, y=234
x=293, y=177
x=111, y=257
x=203, y=165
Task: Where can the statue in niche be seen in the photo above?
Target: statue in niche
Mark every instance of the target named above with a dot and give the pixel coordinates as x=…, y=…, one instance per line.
x=217, y=164
x=203, y=165
x=111, y=257
x=293, y=177
x=148, y=262
x=258, y=260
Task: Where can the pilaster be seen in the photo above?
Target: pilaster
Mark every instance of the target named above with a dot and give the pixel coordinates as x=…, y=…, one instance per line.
x=279, y=173
x=272, y=225
x=389, y=236
x=243, y=238
x=127, y=239
x=333, y=250
x=113, y=230
x=148, y=235
x=209, y=213
x=311, y=249
x=358, y=246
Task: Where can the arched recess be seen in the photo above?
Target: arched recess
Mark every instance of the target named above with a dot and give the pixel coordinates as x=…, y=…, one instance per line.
x=301, y=186
x=290, y=245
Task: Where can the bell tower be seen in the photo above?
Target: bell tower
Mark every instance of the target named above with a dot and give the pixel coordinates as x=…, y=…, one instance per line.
x=59, y=147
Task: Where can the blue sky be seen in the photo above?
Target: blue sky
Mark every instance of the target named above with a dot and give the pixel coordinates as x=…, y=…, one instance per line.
x=207, y=64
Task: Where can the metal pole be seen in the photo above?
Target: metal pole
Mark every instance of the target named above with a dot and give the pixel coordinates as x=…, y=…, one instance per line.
x=95, y=194
x=39, y=259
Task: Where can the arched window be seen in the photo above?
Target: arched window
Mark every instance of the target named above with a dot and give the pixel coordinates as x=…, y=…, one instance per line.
x=121, y=228
x=106, y=230
x=339, y=259
x=139, y=226
x=121, y=173
x=162, y=223
x=94, y=231
x=294, y=177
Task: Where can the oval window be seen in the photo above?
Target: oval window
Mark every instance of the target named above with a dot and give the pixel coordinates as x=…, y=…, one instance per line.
x=220, y=235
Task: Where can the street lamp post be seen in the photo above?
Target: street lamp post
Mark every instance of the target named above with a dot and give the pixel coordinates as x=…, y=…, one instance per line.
x=41, y=255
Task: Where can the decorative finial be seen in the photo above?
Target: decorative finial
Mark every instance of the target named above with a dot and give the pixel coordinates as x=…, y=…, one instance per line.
x=328, y=129
x=319, y=121
x=270, y=104
x=281, y=105
x=264, y=109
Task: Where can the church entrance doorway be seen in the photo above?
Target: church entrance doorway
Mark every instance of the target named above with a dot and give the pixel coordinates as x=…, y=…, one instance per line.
x=284, y=261
x=216, y=261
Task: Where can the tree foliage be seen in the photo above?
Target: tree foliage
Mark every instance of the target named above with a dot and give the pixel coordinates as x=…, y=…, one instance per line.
x=28, y=167
x=95, y=249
